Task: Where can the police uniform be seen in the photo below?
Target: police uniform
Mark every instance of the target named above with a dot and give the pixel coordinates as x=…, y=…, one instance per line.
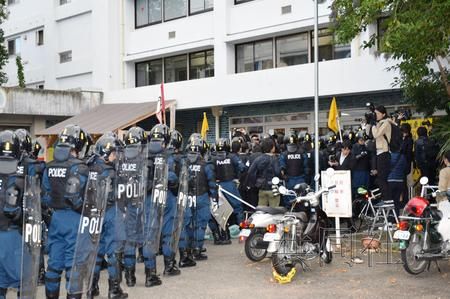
x=63, y=186
x=295, y=166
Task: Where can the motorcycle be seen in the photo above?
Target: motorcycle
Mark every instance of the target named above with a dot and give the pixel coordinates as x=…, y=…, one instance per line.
x=301, y=234
x=424, y=232
x=254, y=228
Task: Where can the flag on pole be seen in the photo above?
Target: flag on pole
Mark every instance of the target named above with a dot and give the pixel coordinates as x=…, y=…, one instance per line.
x=205, y=126
x=163, y=104
x=158, y=111
x=333, y=115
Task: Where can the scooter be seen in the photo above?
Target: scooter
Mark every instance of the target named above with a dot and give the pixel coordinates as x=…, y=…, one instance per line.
x=424, y=232
x=301, y=235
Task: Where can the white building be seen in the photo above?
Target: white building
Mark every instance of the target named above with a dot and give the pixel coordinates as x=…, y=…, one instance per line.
x=250, y=59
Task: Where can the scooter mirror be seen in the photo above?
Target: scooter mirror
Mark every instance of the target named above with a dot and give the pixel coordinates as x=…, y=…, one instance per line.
x=316, y=177
x=423, y=180
x=275, y=180
x=330, y=172
x=282, y=190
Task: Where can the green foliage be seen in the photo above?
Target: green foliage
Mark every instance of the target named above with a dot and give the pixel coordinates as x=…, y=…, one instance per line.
x=3, y=49
x=441, y=132
x=417, y=35
x=20, y=74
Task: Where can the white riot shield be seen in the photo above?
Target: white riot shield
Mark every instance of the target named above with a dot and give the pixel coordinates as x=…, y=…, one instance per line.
x=32, y=238
x=221, y=210
x=155, y=204
x=89, y=231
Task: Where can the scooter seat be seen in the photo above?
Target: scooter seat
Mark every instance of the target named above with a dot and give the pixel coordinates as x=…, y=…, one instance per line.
x=271, y=210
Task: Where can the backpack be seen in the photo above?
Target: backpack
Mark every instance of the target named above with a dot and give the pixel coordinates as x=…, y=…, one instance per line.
x=396, y=139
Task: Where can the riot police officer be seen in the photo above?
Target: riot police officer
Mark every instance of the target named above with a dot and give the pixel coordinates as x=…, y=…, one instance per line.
x=294, y=165
x=160, y=200
x=63, y=185
x=202, y=186
x=228, y=169
x=132, y=172
x=11, y=191
x=103, y=163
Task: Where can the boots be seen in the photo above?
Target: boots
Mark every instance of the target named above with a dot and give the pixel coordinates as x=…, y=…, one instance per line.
x=130, y=276
x=217, y=238
x=41, y=278
x=226, y=237
x=186, y=259
x=119, y=257
x=115, y=291
x=51, y=295
x=170, y=266
x=3, y=293
x=151, y=279
x=140, y=257
x=94, y=290
x=73, y=296
x=198, y=255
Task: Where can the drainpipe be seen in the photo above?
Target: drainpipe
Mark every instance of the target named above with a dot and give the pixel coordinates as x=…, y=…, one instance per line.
x=217, y=113
x=122, y=43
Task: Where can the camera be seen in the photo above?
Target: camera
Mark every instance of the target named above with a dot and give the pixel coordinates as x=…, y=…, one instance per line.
x=370, y=116
x=406, y=114
x=332, y=158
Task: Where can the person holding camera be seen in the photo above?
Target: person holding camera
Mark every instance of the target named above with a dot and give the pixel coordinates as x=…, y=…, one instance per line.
x=381, y=133
x=361, y=168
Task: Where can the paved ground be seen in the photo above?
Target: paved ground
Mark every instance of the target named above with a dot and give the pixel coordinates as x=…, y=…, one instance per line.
x=229, y=274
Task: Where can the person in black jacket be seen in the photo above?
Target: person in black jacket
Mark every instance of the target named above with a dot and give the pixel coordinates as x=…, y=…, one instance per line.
x=344, y=159
x=261, y=172
x=361, y=167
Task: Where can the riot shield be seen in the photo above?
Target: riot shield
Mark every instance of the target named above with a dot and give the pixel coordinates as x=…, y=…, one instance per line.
x=193, y=183
x=181, y=205
x=221, y=210
x=155, y=204
x=131, y=188
x=89, y=231
x=32, y=238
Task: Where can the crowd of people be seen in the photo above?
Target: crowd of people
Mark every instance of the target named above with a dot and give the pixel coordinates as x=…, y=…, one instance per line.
x=164, y=187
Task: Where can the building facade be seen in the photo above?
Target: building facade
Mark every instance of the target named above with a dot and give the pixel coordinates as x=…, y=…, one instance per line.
x=246, y=63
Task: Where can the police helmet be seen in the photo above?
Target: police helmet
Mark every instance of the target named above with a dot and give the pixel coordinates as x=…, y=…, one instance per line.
x=293, y=139
x=176, y=139
x=24, y=140
x=105, y=145
x=361, y=134
x=197, y=144
x=308, y=137
x=9, y=145
x=223, y=145
x=301, y=136
x=136, y=135
x=263, y=136
x=160, y=132
x=238, y=143
x=73, y=136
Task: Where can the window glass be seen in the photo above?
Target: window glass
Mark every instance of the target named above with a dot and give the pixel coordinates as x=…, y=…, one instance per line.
x=149, y=73
x=241, y=1
x=201, y=64
x=263, y=55
x=40, y=37
x=141, y=12
x=292, y=50
x=155, y=9
x=12, y=47
x=196, y=6
x=65, y=56
x=174, y=9
x=342, y=51
x=244, y=58
x=325, y=45
x=175, y=68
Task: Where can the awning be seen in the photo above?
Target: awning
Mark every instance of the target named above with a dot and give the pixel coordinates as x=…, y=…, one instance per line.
x=107, y=117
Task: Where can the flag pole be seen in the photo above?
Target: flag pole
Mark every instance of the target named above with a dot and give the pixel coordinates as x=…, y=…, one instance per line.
x=316, y=90
x=339, y=128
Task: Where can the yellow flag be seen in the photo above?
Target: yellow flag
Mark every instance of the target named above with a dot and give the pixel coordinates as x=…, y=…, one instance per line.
x=332, y=116
x=205, y=126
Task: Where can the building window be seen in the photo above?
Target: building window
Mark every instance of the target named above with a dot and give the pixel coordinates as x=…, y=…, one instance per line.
x=198, y=6
x=174, y=9
x=149, y=73
x=175, y=68
x=327, y=49
x=201, y=64
x=65, y=56
x=148, y=12
x=382, y=25
x=40, y=37
x=292, y=50
x=14, y=46
x=10, y=2
x=40, y=86
x=63, y=2
x=254, y=56
x=241, y=1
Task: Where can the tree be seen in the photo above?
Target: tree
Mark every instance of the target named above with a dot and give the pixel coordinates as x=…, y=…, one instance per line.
x=20, y=74
x=3, y=51
x=417, y=38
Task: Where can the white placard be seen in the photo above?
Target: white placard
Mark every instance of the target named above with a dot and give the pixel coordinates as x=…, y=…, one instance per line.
x=338, y=202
